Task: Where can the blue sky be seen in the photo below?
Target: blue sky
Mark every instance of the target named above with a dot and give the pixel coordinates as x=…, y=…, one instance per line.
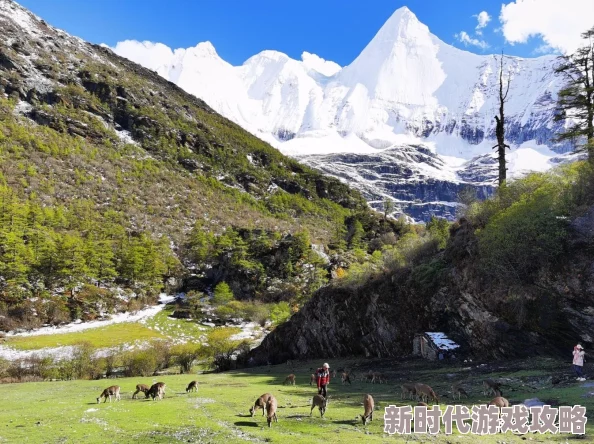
x=335, y=30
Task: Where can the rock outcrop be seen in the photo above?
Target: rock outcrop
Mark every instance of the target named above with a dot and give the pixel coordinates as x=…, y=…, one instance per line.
x=380, y=317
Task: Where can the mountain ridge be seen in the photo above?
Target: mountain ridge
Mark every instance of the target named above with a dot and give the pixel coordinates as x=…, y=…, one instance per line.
x=406, y=88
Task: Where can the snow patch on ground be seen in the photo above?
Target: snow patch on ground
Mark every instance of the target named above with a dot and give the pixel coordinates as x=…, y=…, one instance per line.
x=126, y=137
x=78, y=325
x=249, y=330
x=22, y=108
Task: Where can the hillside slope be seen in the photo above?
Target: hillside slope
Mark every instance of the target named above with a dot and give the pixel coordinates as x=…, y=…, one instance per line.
x=109, y=174
x=514, y=279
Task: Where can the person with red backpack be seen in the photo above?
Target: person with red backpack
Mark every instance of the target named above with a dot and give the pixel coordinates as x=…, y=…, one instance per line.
x=323, y=378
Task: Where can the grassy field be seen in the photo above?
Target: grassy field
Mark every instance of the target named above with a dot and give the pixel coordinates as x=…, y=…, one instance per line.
x=108, y=336
x=160, y=326
x=67, y=412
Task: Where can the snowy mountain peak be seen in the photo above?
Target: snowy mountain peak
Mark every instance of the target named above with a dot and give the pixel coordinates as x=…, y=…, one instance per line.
x=400, y=64
x=206, y=49
x=402, y=24
x=318, y=64
x=411, y=118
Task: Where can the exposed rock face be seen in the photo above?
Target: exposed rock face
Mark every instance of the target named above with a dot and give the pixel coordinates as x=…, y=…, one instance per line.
x=380, y=318
x=412, y=175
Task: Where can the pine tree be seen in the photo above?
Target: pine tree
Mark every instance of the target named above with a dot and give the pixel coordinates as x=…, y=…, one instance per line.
x=200, y=243
x=222, y=293
x=357, y=235
x=576, y=100
x=339, y=237
x=500, y=126
x=100, y=258
x=71, y=264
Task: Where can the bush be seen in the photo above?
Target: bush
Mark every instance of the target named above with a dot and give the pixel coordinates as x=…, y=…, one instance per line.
x=43, y=367
x=185, y=355
x=140, y=363
x=523, y=238
x=66, y=370
x=163, y=353
x=4, y=366
x=84, y=363
x=438, y=229
x=257, y=312
x=220, y=349
x=280, y=313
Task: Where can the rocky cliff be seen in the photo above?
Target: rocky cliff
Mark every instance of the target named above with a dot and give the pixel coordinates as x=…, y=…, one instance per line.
x=447, y=293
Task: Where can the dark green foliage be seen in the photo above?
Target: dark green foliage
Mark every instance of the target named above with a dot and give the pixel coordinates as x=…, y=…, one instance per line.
x=438, y=228
x=260, y=264
x=576, y=100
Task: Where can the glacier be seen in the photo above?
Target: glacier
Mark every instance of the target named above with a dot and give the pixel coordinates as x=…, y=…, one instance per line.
x=411, y=119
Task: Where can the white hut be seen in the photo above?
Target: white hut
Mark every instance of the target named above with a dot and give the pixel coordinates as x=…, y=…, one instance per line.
x=433, y=345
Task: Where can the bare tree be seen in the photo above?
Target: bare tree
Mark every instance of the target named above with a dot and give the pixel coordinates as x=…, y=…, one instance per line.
x=500, y=126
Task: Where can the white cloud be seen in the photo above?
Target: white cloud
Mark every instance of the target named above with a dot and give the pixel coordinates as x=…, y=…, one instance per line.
x=467, y=40
x=483, y=18
x=559, y=23
x=315, y=62
x=154, y=56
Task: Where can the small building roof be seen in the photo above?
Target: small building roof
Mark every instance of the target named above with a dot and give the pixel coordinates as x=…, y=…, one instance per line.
x=441, y=340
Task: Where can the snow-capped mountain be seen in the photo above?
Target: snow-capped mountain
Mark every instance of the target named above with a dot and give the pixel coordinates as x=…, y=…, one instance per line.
x=411, y=118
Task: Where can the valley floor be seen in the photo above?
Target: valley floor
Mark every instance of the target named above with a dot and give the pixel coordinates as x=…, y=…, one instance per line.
x=67, y=412
x=121, y=330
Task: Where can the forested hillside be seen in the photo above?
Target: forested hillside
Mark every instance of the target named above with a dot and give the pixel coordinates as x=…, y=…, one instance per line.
x=113, y=181
x=513, y=277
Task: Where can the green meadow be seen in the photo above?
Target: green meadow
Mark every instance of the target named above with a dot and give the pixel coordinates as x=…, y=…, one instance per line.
x=67, y=411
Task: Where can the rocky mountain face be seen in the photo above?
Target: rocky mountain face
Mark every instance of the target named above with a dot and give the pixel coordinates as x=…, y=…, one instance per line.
x=407, y=91
x=412, y=174
x=447, y=294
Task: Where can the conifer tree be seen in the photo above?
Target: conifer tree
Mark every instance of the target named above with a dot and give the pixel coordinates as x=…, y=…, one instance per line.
x=576, y=100
x=357, y=236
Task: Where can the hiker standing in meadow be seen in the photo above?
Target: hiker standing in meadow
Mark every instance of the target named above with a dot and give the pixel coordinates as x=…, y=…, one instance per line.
x=578, y=361
x=323, y=378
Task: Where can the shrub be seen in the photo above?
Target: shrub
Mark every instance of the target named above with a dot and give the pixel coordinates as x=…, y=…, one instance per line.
x=257, y=312
x=220, y=348
x=140, y=363
x=4, y=366
x=523, y=238
x=66, y=370
x=185, y=355
x=43, y=367
x=163, y=353
x=280, y=313
x=84, y=363
x=438, y=229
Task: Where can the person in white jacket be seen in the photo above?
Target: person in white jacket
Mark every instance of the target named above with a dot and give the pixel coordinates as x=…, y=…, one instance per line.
x=578, y=362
